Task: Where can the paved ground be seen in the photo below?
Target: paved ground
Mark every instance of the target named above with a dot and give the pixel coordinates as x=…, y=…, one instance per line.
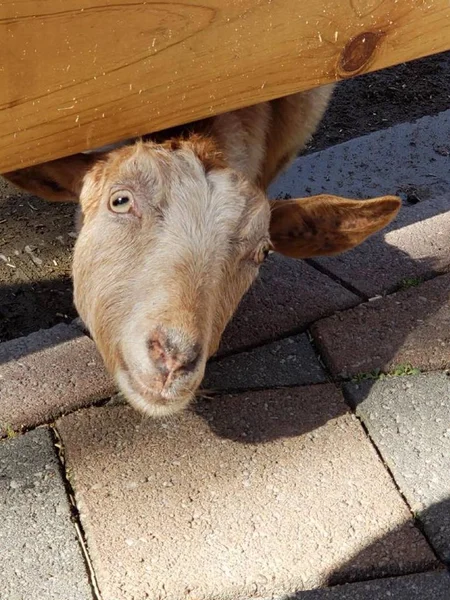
x=319, y=469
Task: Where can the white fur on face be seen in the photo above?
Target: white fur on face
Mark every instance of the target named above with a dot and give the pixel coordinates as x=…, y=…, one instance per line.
x=183, y=265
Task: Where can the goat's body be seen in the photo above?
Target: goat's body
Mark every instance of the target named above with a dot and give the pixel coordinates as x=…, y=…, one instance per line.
x=262, y=140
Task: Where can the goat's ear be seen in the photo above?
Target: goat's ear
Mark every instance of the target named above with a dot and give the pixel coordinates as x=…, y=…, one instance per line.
x=59, y=180
x=327, y=225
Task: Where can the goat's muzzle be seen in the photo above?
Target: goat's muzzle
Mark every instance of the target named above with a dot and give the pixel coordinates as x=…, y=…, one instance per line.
x=165, y=380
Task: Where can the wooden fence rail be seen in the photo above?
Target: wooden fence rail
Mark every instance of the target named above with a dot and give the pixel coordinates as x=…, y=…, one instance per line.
x=76, y=74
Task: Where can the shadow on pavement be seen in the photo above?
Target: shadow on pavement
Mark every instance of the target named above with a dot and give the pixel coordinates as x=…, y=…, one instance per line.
x=400, y=587
x=263, y=416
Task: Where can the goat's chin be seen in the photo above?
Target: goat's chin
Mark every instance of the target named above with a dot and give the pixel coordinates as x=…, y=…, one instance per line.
x=152, y=405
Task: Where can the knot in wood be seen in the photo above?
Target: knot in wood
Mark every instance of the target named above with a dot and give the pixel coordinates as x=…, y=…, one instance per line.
x=358, y=52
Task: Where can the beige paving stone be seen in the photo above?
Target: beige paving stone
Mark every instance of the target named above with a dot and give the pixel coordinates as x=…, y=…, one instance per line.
x=408, y=418
x=251, y=495
x=40, y=555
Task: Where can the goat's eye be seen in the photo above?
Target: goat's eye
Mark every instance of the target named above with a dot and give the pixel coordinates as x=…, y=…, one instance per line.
x=263, y=252
x=121, y=202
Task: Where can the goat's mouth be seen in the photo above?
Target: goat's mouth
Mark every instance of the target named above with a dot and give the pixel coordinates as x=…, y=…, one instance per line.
x=158, y=374
x=149, y=401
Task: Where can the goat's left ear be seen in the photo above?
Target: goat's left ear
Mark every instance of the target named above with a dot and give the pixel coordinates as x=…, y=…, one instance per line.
x=327, y=225
x=58, y=180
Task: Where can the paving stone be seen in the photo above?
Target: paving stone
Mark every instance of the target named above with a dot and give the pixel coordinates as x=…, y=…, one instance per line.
x=256, y=494
x=40, y=554
x=289, y=362
x=409, y=420
x=411, y=327
x=383, y=162
x=48, y=373
x=406, y=159
x=425, y=586
x=288, y=295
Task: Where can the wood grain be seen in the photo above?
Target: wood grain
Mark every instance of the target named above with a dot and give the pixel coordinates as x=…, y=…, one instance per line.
x=76, y=74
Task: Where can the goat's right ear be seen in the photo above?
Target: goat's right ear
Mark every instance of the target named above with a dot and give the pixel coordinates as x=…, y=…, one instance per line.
x=59, y=180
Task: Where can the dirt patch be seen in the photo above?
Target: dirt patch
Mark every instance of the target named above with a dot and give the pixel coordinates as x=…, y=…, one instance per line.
x=36, y=241
x=35, y=237
x=378, y=100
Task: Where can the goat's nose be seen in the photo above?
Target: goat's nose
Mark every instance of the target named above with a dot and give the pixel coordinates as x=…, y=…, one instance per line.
x=173, y=353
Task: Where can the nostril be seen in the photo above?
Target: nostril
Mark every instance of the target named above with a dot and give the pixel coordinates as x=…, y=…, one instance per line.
x=184, y=362
x=156, y=349
x=173, y=354
x=191, y=359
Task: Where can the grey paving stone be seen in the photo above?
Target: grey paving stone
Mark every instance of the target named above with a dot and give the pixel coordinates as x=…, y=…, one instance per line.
x=40, y=555
x=288, y=295
x=48, y=373
x=258, y=494
x=411, y=327
x=425, y=586
x=409, y=420
x=407, y=159
x=289, y=362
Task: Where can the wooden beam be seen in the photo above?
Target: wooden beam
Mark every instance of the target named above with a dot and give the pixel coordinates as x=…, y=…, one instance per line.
x=77, y=74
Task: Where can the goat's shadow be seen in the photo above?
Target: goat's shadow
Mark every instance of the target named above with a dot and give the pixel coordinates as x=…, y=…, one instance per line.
x=265, y=415
x=238, y=414
x=432, y=584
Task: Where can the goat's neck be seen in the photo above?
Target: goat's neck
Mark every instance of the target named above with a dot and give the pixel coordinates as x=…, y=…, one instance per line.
x=241, y=137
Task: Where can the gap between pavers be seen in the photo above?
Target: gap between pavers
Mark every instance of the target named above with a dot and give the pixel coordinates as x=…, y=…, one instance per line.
x=252, y=495
x=40, y=554
x=408, y=418
x=407, y=159
x=424, y=586
x=410, y=327
x=47, y=373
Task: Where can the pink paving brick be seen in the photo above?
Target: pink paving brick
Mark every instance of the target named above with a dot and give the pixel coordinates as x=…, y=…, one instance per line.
x=411, y=327
x=48, y=373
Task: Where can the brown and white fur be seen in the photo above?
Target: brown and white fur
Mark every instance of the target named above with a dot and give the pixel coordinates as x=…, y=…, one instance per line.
x=174, y=228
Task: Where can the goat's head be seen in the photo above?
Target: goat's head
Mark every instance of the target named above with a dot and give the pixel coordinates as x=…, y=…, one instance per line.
x=170, y=240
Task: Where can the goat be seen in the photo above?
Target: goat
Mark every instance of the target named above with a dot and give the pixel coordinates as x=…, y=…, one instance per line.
x=174, y=227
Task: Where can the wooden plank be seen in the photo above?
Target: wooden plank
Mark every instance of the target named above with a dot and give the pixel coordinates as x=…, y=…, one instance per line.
x=76, y=74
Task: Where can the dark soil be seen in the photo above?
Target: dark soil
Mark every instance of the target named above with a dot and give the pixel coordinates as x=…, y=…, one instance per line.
x=379, y=100
x=35, y=240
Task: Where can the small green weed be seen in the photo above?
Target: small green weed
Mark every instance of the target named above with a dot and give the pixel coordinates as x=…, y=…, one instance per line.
x=10, y=433
x=397, y=371
x=403, y=370
x=409, y=282
x=375, y=374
